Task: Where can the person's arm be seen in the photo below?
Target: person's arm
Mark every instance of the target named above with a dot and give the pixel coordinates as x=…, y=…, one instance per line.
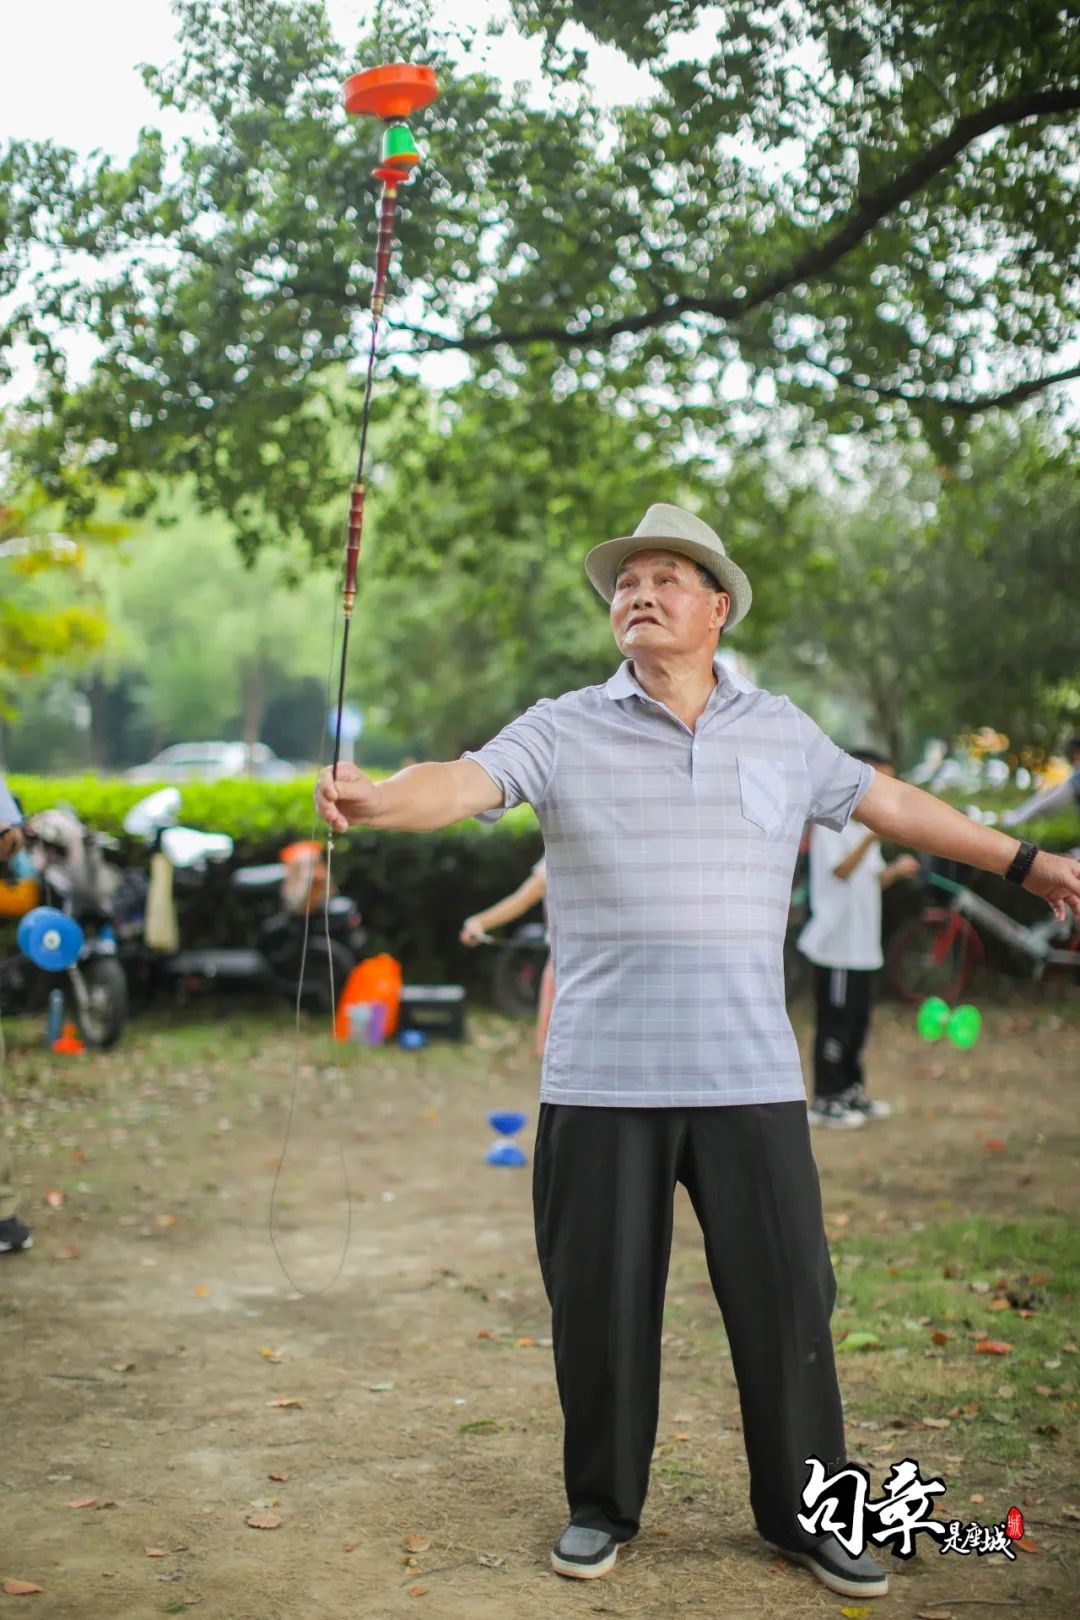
x=1062, y=796
x=904, y=866
x=855, y=857
x=906, y=815
x=515, y=905
x=11, y=840
x=420, y=798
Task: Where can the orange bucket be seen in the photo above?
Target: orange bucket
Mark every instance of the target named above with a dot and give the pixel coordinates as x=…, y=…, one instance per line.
x=375, y=980
x=18, y=896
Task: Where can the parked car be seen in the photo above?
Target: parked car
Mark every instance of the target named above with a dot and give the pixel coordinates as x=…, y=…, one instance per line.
x=212, y=762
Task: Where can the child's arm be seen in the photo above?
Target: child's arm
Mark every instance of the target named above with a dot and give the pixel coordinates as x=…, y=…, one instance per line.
x=515, y=905
x=855, y=857
x=904, y=866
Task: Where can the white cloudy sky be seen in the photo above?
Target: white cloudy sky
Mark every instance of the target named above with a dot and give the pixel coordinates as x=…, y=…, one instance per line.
x=71, y=66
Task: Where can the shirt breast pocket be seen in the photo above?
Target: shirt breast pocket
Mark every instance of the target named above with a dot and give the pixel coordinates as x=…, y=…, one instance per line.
x=762, y=791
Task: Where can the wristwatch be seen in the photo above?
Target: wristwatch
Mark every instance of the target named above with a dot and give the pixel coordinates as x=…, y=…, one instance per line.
x=1022, y=862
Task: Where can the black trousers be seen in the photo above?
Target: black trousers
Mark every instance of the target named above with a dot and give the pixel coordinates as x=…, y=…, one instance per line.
x=603, y=1191
x=844, y=997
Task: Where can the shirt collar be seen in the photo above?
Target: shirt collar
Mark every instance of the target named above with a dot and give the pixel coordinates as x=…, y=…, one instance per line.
x=624, y=685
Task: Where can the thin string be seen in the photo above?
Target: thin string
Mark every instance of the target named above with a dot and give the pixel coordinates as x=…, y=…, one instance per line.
x=382, y=263
x=311, y=1293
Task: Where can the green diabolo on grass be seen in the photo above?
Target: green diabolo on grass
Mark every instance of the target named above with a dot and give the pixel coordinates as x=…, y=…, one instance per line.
x=936, y=1019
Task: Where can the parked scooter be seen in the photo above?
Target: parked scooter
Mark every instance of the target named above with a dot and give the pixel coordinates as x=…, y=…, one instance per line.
x=74, y=876
x=289, y=903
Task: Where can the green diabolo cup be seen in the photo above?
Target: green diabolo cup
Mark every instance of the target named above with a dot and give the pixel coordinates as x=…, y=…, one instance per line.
x=933, y=1019
x=964, y=1026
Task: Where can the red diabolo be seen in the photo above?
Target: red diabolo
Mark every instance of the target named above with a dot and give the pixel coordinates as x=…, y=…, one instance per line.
x=395, y=91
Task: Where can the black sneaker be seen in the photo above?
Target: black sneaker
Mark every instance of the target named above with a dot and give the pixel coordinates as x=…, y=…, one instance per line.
x=14, y=1236
x=835, y=1568
x=856, y=1099
x=834, y=1114
x=584, y=1553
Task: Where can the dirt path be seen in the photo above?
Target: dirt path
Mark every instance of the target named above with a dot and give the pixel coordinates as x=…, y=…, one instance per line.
x=136, y=1340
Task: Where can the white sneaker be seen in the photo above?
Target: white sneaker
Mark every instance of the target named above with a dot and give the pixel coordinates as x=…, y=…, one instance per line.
x=834, y=1114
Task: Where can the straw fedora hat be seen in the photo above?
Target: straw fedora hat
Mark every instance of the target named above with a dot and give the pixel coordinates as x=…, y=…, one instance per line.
x=669, y=528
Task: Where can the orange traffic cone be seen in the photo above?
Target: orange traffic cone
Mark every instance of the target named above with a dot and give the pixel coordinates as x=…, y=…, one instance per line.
x=69, y=1041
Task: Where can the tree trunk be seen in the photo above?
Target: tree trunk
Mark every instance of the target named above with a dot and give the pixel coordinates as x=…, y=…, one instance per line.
x=97, y=697
x=254, y=701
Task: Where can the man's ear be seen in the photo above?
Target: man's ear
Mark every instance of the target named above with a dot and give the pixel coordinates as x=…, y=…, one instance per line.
x=723, y=601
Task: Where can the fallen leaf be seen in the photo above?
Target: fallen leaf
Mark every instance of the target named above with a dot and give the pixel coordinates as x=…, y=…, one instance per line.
x=490, y=1561
x=994, y=1144
x=84, y=1502
x=1069, y=1349
x=998, y=1305
x=993, y=1347
x=485, y=1333
x=780, y=1565
x=1026, y=1544
x=155, y=1552
x=54, y=1198
x=859, y=1341
x=166, y=1220
x=348, y=1546
x=278, y=1475
x=416, y=1544
x=264, y=1521
x=855, y=1612
x=937, y=1423
x=15, y=1588
x=977, y=1496
x=285, y=1400
x=1025, y=1314
x=940, y=1337
x=201, y=1291
x=123, y=1366
x=381, y=1389
x=525, y=1344
x=70, y=1251
x=417, y=1591
x=1043, y=1389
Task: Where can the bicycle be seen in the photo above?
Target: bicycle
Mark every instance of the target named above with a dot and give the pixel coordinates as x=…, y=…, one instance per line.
x=937, y=953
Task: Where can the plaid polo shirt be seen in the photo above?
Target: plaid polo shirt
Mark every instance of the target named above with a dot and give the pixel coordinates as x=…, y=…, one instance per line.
x=670, y=856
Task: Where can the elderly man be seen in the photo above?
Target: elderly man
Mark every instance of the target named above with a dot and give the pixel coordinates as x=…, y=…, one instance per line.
x=672, y=799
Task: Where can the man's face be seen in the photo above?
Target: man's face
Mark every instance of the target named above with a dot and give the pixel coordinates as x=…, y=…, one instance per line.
x=662, y=605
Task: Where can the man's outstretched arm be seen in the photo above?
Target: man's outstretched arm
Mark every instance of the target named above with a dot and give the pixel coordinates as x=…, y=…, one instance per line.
x=418, y=799
x=906, y=815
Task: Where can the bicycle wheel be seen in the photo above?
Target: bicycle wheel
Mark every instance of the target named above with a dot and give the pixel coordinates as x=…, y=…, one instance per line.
x=933, y=956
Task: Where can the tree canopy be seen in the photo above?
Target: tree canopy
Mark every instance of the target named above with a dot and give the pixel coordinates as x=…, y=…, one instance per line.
x=820, y=215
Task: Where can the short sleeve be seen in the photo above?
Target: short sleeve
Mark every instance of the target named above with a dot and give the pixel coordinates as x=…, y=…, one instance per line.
x=837, y=780
x=520, y=760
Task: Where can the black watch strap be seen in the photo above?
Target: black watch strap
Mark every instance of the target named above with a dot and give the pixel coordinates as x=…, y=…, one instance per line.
x=1022, y=862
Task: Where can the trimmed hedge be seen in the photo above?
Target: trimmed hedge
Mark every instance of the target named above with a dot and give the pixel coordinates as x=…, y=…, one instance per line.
x=413, y=889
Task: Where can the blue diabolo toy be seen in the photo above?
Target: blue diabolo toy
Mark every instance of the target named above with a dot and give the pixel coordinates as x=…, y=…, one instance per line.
x=50, y=939
x=505, y=1152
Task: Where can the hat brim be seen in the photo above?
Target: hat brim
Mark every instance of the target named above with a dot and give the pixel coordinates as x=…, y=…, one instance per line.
x=604, y=561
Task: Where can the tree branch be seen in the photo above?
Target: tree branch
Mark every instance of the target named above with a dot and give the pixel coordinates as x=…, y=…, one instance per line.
x=950, y=402
x=812, y=265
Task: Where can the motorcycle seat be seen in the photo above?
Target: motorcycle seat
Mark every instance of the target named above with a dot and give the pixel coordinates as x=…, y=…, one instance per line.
x=259, y=877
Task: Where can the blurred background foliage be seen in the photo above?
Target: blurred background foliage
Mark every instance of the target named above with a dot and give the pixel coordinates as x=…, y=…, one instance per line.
x=816, y=280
